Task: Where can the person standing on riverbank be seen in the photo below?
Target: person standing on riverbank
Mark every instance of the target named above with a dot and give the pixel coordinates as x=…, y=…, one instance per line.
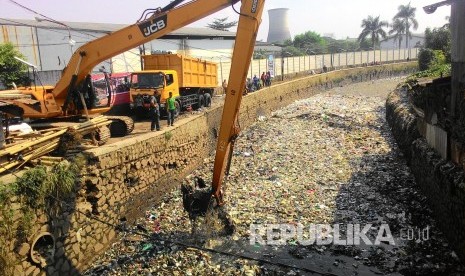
x=171, y=109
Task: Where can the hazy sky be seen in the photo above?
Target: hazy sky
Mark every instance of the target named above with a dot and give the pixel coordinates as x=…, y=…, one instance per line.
x=341, y=18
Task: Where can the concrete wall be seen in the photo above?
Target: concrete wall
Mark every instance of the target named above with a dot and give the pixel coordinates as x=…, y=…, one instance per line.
x=120, y=180
x=442, y=181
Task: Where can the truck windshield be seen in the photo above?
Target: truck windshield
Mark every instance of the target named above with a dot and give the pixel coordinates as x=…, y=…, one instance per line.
x=147, y=80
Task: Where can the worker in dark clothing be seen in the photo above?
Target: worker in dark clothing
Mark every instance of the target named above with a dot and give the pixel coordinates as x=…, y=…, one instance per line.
x=263, y=79
x=268, y=78
x=154, y=111
x=256, y=83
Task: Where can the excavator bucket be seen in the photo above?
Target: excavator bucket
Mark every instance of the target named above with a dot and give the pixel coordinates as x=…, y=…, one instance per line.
x=198, y=201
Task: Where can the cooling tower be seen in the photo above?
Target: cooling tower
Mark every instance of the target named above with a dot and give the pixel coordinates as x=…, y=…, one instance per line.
x=279, y=27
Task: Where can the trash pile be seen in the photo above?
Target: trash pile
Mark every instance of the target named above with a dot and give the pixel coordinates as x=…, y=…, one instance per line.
x=329, y=159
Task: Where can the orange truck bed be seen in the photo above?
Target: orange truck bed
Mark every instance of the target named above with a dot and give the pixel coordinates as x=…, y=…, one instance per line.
x=192, y=72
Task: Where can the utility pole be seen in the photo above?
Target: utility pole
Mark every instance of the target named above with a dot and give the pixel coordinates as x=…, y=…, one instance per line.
x=457, y=55
x=457, y=24
x=282, y=63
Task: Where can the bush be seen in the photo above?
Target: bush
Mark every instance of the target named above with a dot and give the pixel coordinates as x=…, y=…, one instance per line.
x=30, y=186
x=438, y=71
x=46, y=187
x=425, y=58
x=439, y=59
x=428, y=59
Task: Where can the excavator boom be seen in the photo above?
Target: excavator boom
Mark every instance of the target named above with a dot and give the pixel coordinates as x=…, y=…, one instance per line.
x=249, y=22
x=197, y=200
x=162, y=22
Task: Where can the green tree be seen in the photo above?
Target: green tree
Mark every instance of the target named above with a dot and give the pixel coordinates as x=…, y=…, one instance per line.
x=373, y=28
x=313, y=43
x=12, y=70
x=335, y=45
x=430, y=59
x=260, y=54
x=406, y=14
x=310, y=41
x=439, y=39
x=291, y=51
x=365, y=44
x=221, y=24
x=351, y=45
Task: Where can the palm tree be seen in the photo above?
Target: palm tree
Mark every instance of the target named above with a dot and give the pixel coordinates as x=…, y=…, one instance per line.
x=373, y=27
x=406, y=14
x=398, y=31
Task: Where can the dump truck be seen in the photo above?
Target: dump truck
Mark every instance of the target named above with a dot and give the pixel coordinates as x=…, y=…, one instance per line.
x=190, y=80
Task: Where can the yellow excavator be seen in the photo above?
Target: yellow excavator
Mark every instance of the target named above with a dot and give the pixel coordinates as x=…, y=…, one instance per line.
x=74, y=95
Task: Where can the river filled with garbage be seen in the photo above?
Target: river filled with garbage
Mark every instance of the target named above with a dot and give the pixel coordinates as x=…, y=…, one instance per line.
x=317, y=188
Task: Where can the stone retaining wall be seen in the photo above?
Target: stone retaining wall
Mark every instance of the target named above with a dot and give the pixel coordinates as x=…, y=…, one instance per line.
x=441, y=181
x=121, y=180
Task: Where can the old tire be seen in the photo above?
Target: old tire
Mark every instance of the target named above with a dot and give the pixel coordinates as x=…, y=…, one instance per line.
x=208, y=100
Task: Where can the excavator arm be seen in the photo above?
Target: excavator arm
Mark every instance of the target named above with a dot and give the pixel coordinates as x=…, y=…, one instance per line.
x=199, y=199
x=162, y=22
x=249, y=21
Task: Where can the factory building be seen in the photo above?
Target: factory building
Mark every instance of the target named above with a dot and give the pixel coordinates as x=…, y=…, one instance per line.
x=49, y=45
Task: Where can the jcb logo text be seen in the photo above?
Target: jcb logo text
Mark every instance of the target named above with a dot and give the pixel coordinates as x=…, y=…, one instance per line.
x=150, y=27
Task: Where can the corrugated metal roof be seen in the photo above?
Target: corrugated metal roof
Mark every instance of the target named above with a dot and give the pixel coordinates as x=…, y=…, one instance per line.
x=108, y=28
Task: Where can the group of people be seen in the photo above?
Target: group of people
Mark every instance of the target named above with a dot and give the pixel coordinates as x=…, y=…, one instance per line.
x=253, y=84
x=264, y=80
x=257, y=83
x=154, y=110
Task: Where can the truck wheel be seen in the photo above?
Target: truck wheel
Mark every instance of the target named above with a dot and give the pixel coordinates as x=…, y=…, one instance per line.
x=201, y=102
x=208, y=100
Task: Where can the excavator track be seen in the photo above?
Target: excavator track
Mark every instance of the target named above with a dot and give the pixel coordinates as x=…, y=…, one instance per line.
x=120, y=125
